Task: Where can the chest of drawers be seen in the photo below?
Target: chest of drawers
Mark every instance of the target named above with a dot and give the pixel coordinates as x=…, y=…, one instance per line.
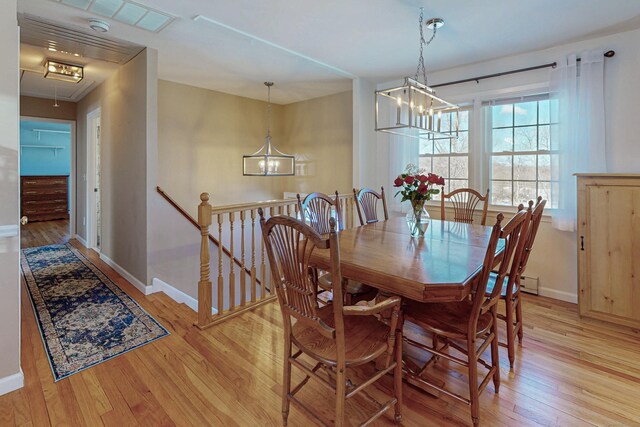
x=44, y=198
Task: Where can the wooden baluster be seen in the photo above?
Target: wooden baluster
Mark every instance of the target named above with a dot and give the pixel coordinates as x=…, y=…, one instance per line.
x=243, y=277
x=220, y=277
x=263, y=273
x=253, y=255
x=232, y=274
x=204, y=285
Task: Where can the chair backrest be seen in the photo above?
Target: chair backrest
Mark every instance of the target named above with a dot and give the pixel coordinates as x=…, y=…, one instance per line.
x=510, y=233
x=536, y=217
x=367, y=205
x=465, y=203
x=317, y=209
x=290, y=243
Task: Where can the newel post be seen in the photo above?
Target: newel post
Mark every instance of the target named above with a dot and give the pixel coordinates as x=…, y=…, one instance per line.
x=204, y=285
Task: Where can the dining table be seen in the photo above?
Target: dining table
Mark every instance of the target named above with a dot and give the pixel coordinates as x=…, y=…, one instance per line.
x=440, y=266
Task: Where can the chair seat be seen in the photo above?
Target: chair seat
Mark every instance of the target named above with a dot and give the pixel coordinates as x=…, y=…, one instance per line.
x=365, y=338
x=446, y=319
x=492, y=283
x=354, y=288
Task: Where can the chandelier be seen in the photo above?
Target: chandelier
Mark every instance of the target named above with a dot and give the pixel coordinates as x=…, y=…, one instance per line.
x=413, y=109
x=268, y=161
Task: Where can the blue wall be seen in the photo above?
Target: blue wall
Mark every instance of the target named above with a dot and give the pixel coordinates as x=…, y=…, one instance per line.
x=42, y=161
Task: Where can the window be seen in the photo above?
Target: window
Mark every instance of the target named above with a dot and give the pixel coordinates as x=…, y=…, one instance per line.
x=449, y=157
x=521, y=154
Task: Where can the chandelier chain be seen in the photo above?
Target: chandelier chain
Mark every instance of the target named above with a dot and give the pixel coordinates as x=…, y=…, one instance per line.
x=268, y=84
x=423, y=44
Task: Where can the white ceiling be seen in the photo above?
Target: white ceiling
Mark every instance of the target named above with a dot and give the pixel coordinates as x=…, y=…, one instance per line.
x=240, y=43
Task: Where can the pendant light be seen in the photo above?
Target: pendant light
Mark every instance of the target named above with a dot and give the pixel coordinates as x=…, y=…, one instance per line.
x=268, y=160
x=413, y=109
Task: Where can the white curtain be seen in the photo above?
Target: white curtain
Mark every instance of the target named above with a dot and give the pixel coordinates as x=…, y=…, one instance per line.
x=402, y=151
x=577, y=108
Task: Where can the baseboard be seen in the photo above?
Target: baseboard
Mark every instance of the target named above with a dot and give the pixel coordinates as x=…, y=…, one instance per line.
x=81, y=240
x=124, y=273
x=176, y=295
x=11, y=383
x=556, y=294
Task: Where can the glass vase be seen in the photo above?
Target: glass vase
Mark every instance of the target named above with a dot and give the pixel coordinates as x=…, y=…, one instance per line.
x=418, y=218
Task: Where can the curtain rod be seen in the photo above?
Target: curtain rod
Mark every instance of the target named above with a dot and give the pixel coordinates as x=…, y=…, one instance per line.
x=607, y=54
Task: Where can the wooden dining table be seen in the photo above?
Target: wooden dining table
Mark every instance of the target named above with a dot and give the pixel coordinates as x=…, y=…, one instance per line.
x=438, y=267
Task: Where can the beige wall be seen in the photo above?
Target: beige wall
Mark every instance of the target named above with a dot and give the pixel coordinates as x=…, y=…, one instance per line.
x=319, y=132
x=41, y=107
x=10, y=377
x=202, y=136
x=127, y=122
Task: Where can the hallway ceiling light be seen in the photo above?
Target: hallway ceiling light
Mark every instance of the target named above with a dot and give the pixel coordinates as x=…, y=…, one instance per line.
x=413, y=109
x=65, y=72
x=268, y=161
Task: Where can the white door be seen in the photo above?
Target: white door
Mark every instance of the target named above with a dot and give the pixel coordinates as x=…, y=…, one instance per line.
x=93, y=180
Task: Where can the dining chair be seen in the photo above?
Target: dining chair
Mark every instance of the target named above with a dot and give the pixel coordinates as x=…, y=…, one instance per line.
x=471, y=321
x=465, y=203
x=367, y=205
x=316, y=210
x=511, y=293
x=336, y=337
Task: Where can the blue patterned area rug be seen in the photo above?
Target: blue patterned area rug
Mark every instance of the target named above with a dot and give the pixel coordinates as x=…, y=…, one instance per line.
x=84, y=318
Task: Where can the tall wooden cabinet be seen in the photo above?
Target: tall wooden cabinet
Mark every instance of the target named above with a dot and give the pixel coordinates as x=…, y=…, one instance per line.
x=609, y=247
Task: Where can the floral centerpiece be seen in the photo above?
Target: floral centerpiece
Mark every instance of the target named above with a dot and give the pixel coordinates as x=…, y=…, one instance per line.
x=417, y=188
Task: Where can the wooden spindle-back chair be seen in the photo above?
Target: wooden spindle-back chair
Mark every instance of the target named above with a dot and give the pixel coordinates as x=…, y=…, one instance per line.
x=367, y=205
x=468, y=321
x=465, y=203
x=334, y=336
x=316, y=210
x=511, y=290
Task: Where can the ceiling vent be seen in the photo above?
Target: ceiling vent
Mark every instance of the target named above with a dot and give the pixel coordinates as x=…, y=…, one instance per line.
x=75, y=40
x=125, y=11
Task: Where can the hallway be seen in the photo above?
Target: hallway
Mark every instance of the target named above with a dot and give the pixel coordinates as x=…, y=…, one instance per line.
x=44, y=233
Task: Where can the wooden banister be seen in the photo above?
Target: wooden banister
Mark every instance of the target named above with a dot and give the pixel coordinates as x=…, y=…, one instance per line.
x=192, y=220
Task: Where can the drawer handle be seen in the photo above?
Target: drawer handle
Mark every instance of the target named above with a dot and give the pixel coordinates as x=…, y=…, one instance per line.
x=582, y=243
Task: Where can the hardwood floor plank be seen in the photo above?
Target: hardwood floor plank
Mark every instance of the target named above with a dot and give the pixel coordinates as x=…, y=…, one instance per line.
x=569, y=372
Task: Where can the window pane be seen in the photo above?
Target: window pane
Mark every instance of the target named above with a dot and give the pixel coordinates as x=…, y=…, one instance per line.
x=442, y=146
x=544, y=112
x=524, y=168
x=441, y=166
x=426, y=146
x=425, y=163
x=523, y=192
x=459, y=167
x=525, y=139
x=463, y=123
x=555, y=167
x=501, y=193
x=502, y=115
x=543, y=138
x=502, y=140
x=454, y=184
x=544, y=167
x=460, y=144
x=525, y=113
x=549, y=191
x=501, y=167
x=445, y=125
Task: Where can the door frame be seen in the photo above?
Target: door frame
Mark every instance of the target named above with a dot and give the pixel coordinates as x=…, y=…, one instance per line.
x=90, y=180
x=72, y=171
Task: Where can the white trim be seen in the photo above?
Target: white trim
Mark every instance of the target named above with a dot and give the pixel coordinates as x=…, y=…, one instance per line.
x=559, y=295
x=175, y=294
x=80, y=239
x=11, y=383
x=89, y=181
x=128, y=276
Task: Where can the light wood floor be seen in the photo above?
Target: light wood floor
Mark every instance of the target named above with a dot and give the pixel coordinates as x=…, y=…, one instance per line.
x=569, y=372
x=44, y=233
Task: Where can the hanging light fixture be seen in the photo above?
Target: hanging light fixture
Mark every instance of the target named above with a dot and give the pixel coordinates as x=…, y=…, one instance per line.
x=268, y=161
x=413, y=109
